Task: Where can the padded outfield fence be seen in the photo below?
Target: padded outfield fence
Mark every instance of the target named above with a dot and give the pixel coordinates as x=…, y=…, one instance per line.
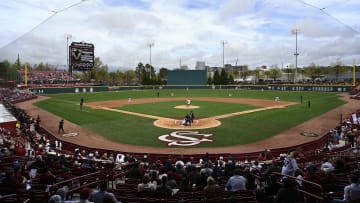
x=277, y=87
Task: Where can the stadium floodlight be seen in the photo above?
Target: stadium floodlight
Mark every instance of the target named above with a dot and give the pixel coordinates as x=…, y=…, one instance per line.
x=223, y=42
x=151, y=44
x=68, y=36
x=296, y=32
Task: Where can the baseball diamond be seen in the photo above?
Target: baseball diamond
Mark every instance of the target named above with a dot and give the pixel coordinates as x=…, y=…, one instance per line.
x=213, y=124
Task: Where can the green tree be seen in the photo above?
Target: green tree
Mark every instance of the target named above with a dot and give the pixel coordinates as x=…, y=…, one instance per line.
x=116, y=77
x=274, y=73
x=209, y=80
x=8, y=71
x=152, y=73
x=42, y=66
x=244, y=74
x=338, y=69
x=140, y=70
x=236, y=74
x=148, y=76
x=313, y=71
x=12, y=73
x=98, y=74
x=131, y=77
x=231, y=79
x=5, y=66
x=223, y=77
x=158, y=80
x=256, y=74
x=267, y=74
x=216, y=79
x=163, y=76
x=163, y=73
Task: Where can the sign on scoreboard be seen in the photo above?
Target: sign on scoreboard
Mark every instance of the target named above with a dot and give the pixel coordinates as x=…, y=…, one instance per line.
x=81, y=56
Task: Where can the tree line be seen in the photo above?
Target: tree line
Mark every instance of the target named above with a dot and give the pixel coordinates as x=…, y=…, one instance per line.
x=145, y=74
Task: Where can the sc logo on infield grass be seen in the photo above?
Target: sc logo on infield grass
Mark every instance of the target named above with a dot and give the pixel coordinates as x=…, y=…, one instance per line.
x=185, y=138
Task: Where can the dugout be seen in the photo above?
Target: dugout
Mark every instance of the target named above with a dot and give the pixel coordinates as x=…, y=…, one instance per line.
x=187, y=77
x=7, y=120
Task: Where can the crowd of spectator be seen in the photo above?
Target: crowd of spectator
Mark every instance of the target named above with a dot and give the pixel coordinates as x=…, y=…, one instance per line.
x=15, y=95
x=46, y=76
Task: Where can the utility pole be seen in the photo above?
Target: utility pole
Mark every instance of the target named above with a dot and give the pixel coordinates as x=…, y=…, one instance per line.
x=68, y=36
x=296, y=32
x=223, y=42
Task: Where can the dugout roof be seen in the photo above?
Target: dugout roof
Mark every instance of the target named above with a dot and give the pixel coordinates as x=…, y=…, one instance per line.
x=5, y=115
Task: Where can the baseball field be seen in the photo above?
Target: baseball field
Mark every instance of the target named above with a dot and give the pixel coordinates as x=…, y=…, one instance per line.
x=222, y=117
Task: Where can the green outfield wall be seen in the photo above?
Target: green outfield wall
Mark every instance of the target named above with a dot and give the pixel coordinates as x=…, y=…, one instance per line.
x=273, y=87
x=57, y=90
x=187, y=77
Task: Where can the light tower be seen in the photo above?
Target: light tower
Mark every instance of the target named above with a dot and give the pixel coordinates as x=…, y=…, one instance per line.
x=223, y=42
x=68, y=36
x=296, y=32
x=151, y=44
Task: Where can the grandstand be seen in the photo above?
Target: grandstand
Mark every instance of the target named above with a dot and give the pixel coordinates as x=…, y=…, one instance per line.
x=45, y=77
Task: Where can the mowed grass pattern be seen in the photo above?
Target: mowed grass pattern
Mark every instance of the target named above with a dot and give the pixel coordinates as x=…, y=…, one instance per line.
x=235, y=130
x=168, y=110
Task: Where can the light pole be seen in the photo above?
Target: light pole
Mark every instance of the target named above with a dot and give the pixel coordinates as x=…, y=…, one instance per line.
x=68, y=36
x=296, y=32
x=223, y=45
x=288, y=73
x=151, y=44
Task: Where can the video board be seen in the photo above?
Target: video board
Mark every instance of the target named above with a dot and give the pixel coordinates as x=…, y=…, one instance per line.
x=81, y=56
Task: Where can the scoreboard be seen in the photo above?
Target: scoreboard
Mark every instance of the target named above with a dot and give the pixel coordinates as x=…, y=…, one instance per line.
x=81, y=56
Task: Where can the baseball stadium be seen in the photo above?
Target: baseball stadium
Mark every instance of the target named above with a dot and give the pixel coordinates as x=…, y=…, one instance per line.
x=270, y=116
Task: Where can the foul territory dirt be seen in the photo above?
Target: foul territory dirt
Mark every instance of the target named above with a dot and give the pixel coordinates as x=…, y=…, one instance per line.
x=290, y=137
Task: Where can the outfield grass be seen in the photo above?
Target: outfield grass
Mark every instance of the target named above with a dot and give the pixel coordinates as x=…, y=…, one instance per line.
x=235, y=130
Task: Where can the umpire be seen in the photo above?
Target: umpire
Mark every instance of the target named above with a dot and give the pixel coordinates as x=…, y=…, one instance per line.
x=61, y=126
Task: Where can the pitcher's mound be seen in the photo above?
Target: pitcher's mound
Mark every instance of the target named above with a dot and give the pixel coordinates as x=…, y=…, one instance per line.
x=186, y=107
x=197, y=124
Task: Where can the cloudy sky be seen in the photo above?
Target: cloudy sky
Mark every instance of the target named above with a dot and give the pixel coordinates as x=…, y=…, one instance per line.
x=255, y=32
